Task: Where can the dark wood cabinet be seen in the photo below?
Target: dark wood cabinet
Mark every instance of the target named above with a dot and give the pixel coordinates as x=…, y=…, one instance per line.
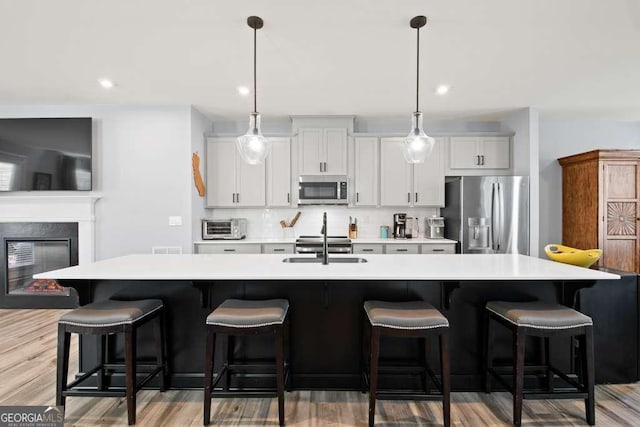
x=600, y=205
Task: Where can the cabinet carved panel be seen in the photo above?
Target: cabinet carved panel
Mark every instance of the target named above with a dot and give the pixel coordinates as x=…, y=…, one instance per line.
x=621, y=218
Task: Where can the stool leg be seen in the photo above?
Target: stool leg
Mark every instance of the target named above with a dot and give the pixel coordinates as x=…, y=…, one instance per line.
x=426, y=349
x=64, y=339
x=287, y=346
x=280, y=373
x=228, y=348
x=589, y=374
x=547, y=362
x=208, y=373
x=158, y=326
x=373, y=374
x=518, y=375
x=487, y=343
x=446, y=377
x=101, y=343
x=366, y=337
x=130, y=371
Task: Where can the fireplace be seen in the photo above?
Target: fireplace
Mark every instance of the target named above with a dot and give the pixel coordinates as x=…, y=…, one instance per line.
x=31, y=248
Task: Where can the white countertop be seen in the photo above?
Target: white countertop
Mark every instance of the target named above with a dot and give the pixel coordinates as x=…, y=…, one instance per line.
x=379, y=267
x=365, y=240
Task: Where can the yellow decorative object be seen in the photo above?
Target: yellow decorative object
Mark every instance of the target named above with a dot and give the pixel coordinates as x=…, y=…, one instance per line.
x=573, y=256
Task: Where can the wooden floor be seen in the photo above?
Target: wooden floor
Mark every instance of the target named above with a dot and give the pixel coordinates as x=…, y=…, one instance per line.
x=27, y=377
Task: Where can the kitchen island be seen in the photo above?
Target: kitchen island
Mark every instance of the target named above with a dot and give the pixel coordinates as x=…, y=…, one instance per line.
x=326, y=306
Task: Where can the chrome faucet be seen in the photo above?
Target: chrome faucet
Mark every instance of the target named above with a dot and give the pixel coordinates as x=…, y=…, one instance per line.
x=325, y=247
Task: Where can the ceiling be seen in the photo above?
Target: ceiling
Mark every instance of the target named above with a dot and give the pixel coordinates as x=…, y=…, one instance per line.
x=568, y=58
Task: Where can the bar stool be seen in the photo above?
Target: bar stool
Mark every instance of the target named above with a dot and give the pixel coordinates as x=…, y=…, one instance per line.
x=544, y=320
x=242, y=317
x=103, y=318
x=414, y=319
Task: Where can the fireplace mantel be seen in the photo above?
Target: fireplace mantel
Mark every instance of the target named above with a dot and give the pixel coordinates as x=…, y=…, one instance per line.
x=55, y=206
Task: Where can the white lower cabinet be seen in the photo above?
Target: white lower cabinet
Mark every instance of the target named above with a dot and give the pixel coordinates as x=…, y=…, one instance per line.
x=401, y=249
x=362, y=248
x=441, y=248
x=278, y=248
x=230, y=248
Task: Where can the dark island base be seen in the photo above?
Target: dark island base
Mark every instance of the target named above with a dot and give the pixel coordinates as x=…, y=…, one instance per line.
x=326, y=325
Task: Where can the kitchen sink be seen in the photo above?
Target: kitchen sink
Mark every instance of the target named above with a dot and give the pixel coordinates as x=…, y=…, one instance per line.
x=331, y=260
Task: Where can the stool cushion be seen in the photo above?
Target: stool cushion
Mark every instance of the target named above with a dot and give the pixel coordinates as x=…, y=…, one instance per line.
x=111, y=313
x=238, y=313
x=404, y=315
x=540, y=315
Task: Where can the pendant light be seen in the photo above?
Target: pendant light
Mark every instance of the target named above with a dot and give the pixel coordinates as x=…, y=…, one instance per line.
x=254, y=147
x=417, y=145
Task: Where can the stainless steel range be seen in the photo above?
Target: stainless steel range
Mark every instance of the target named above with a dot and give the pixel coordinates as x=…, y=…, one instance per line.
x=313, y=245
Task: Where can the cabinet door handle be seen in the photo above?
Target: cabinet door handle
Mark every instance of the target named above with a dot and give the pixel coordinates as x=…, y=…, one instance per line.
x=478, y=160
x=367, y=250
x=288, y=197
x=237, y=197
x=320, y=166
x=416, y=197
x=325, y=166
x=229, y=250
x=278, y=249
x=357, y=197
x=233, y=197
x=401, y=250
x=437, y=250
x=408, y=197
x=482, y=157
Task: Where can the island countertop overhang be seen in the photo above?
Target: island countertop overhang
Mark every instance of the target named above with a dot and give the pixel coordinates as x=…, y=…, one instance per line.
x=210, y=267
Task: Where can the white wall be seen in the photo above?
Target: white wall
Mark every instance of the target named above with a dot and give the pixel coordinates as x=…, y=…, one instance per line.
x=559, y=138
x=142, y=168
x=200, y=125
x=524, y=123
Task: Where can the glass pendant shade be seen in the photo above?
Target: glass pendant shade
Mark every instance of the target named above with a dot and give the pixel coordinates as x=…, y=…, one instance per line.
x=253, y=147
x=417, y=145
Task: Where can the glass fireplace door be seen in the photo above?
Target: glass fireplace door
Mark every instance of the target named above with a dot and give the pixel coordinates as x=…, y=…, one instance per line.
x=28, y=257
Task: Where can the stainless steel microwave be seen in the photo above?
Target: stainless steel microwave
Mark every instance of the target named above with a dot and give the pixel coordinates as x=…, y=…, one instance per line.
x=322, y=190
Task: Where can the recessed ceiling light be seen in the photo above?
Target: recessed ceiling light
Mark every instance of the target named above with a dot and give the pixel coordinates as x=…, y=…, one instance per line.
x=243, y=90
x=106, y=83
x=442, y=89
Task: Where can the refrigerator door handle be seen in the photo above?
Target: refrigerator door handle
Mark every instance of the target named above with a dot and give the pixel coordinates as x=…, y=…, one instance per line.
x=493, y=216
x=500, y=215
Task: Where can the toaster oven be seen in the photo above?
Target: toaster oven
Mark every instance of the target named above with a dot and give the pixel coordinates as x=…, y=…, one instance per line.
x=224, y=229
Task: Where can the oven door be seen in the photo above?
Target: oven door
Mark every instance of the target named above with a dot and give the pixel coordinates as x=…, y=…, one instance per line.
x=322, y=190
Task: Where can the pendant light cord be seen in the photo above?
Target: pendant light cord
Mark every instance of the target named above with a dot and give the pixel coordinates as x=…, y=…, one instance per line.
x=255, y=103
x=418, y=70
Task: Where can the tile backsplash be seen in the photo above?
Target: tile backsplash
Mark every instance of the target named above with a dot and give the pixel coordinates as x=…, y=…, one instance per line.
x=265, y=223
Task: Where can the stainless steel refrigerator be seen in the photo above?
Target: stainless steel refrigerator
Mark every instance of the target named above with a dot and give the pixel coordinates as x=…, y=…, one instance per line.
x=488, y=214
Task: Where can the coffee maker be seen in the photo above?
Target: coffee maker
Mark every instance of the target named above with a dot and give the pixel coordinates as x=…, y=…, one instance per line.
x=399, y=226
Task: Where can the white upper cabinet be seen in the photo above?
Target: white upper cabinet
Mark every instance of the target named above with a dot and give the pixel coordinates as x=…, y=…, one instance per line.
x=366, y=171
x=428, y=178
x=395, y=174
x=322, y=150
x=479, y=152
x=404, y=184
x=221, y=173
x=279, y=173
x=232, y=182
